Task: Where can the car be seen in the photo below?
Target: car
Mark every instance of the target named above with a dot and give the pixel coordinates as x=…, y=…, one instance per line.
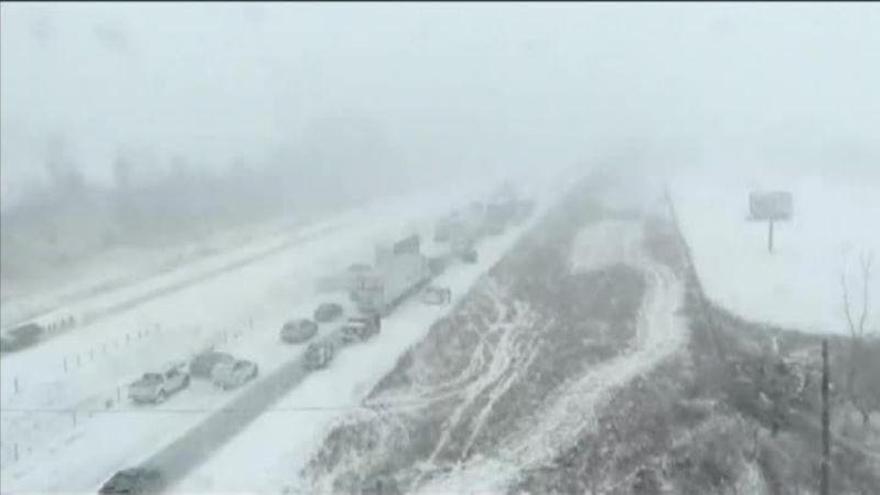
x=21, y=337
x=157, y=387
x=437, y=265
x=319, y=354
x=358, y=329
x=328, y=312
x=298, y=331
x=202, y=364
x=436, y=295
x=134, y=481
x=231, y=375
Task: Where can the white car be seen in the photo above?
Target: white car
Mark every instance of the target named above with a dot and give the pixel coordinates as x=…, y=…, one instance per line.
x=156, y=387
x=227, y=375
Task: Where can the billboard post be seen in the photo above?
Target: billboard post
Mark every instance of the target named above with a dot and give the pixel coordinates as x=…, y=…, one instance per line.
x=773, y=207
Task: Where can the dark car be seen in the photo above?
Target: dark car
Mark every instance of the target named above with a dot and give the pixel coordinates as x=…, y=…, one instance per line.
x=134, y=481
x=21, y=337
x=298, y=331
x=328, y=312
x=202, y=365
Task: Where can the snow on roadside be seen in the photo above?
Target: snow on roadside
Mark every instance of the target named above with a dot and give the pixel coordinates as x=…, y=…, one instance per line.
x=122, y=267
x=277, y=445
x=266, y=292
x=797, y=286
x=571, y=410
x=128, y=275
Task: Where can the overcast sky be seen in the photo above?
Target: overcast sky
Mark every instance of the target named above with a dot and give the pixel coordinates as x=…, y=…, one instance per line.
x=446, y=87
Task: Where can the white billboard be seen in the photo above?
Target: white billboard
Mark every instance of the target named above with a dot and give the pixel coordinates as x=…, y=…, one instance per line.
x=773, y=205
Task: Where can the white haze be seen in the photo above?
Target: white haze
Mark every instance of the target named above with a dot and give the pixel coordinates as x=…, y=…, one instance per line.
x=443, y=89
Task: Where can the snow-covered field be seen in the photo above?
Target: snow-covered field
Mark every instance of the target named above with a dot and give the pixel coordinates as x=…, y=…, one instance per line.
x=64, y=428
x=122, y=267
x=126, y=276
x=799, y=284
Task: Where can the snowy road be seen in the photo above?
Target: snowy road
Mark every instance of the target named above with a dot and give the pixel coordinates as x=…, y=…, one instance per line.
x=58, y=431
x=267, y=455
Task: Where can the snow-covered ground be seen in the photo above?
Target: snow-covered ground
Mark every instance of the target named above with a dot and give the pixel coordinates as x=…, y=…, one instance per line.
x=128, y=276
x=58, y=431
x=267, y=455
x=799, y=284
x=122, y=267
x=572, y=409
x=63, y=427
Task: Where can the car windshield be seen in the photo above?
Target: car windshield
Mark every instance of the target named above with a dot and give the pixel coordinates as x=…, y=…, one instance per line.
x=440, y=247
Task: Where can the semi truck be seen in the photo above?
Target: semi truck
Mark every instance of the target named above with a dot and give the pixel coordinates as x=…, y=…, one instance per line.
x=399, y=271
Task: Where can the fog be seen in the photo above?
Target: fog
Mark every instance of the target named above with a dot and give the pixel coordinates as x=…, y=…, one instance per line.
x=294, y=107
x=438, y=90
x=529, y=231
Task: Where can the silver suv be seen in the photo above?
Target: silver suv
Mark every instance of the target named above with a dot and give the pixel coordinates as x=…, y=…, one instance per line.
x=156, y=387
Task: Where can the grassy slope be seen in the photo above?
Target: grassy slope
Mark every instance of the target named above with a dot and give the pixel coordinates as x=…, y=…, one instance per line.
x=728, y=415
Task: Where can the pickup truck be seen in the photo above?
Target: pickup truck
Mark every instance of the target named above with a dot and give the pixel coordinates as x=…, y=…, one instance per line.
x=156, y=387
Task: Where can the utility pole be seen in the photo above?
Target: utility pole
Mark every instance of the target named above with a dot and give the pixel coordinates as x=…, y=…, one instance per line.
x=826, y=431
x=770, y=238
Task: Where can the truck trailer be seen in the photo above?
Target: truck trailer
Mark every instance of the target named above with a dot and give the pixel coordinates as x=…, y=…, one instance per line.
x=399, y=271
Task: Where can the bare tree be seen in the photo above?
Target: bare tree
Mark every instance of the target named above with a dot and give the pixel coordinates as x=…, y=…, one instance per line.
x=857, y=319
